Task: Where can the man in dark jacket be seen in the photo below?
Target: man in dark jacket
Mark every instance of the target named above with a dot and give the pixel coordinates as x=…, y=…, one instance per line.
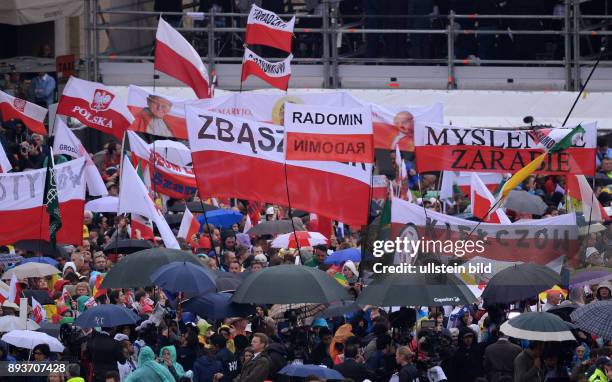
x=320, y=354
x=258, y=368
x=499, y=359
x=351, y=367
x=466, y=363
x=229, y=364
x=104, y=353
x=278, y=359
x=206, y=367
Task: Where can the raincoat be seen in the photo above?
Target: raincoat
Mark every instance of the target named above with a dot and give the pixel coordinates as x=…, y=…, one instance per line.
x=342, y=334
x=177, y=366
x=148, y=369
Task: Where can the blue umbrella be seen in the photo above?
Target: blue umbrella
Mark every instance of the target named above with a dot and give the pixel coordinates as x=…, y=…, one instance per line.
x=106, y=316
x=339, y=257
x=216, y=306
x=181, y=276
x=41, y=259
x=304, y=371
x=222, y=218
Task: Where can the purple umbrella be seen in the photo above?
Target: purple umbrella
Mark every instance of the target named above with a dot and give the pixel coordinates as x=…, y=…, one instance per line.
x=588, y=276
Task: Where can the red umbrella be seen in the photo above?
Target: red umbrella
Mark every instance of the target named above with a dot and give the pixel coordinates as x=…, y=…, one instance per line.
x=304, y=239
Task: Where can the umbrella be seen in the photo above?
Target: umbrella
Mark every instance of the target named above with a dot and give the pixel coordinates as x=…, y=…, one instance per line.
x=30, y=270
x=41, y=259
x=302, y=311
x=174, y=220
x=173, y=151
x=407, y=289
x=28, y=339
x=9, y=258
x=519, y=282
x=227, y=281
x=181, y=276
x=50, y=328
x=337, y=309
x=305, y=239
x=216, y=306
x=595, y=318
x=343, y=255
x=564, y=310
x=40, y=295
x=8, y=323
x=193, y=207
x=41, y=246
x=289, y=284
x=276, y=227
x=589, y=276
x=106, y=315
x=538, y=326
x=103, y=204
x=133, y=270
x=222, y=218
x=524, y=202
x=127, y=246
x=296, y=370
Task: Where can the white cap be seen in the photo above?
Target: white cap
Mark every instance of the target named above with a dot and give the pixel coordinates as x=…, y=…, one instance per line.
x=121, y=337
x=270, y=211
x=261, y=258
x=71, y=265
x=591, y=251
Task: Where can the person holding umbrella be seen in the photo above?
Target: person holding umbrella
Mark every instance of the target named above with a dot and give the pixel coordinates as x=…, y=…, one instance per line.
x=528, y=364
x=104, y=353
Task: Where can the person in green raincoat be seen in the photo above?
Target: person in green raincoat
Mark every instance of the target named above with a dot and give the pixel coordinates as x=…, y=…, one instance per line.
x=167, y=357
x=81, y=303
x=148, y=369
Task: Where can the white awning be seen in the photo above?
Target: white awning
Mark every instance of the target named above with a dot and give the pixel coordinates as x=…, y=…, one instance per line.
x=22, y=12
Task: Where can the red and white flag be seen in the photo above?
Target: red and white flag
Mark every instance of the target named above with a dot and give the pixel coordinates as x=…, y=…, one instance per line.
x=170, y=179
x=90, y=303
x=134, y=198
x=579, y=189
x=463, y=180
x=38, y=312
x=66, y=143
x=64, y=298
x=267, y=28
x=323, y=133
x=304, y=239
x=32, y=115
x=14, y=290
x=177, y=58
x=482, y=200
x=276, y=74
x=5, y=164
x=96, y=106
x=23, y=204
x=141, y=228
x=189, y=226
x=218, y=142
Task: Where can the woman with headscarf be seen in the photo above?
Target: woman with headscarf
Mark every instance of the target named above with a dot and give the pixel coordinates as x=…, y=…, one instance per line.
x=581, y=361
x=167, y=357
x=148, y=369
x=343, y=333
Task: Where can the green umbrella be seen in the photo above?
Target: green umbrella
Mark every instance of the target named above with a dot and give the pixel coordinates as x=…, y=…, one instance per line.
x=289, y=284
x=411, y=289
x=134, y=270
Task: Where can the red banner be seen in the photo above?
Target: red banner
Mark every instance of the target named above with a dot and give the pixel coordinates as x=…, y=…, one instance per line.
x=170, y=179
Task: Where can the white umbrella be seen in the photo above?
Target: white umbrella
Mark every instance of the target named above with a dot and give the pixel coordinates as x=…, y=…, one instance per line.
x=104, y=204
x=304, y=239
x=31, y=270
x=173, y=151
x=8, y=323
x=28, y=339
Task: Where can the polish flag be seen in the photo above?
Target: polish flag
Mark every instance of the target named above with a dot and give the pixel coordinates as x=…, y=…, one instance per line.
x=38, y=313
x=14, y=290
x=66, y=143
x=579, y=189
x=90, y=303
x=141, y=228
x=23, y=204
x=267, y=28
x=178, y=59
x=463, y=181
x=96, y=106
x=482, y=200
x=276, y=74
x=5, y=164
x=32, y=115
x=64, y=298
x=189, y=226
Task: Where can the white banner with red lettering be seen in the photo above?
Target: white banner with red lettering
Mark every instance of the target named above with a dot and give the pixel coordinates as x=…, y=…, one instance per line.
x=454, y=148
x=21, y=204
x=276, y=74
x=242, y=158
x=328, y=133
x=267, y=28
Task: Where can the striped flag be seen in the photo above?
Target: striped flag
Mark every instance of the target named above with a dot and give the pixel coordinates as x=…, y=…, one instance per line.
x=38, y=313
x=5, y=164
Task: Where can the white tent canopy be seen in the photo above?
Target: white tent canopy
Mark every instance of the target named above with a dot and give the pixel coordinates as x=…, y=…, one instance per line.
x=22, y=12
x=476, y=108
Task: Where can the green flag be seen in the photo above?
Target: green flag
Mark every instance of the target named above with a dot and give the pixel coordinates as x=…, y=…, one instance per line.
x=51, y=201
x=566, y=141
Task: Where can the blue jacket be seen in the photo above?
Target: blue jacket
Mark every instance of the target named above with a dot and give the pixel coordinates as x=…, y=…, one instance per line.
x=204, y=369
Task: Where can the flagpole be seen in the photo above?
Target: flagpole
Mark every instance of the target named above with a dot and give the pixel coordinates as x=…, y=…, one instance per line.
x=603, y=48
x=366, y=230
x=212, y=244
x=297, y=243
x=119, y=200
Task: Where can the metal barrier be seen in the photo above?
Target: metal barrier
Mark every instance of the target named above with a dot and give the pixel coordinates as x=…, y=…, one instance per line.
x=571, y=30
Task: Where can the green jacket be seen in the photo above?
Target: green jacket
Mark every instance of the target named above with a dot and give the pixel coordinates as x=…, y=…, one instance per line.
x=148, y=369
x=177, y=366
x=598, y=376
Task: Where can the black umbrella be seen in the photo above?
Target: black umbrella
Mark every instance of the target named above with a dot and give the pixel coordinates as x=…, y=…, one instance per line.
x=40, y=295
x=538, y=326
x=50, y=328
x=564, y=310
x=106, y=315
x=134, y=270
x=409, y=289
x=41, y=246
x=595, y=318
x=127, y=246
x=337, y=309
x=289, y=284
x=228, y=281
x=276, y=227
x=174, y=220
x=216, y=306
x=193, y=207
x=519, y=282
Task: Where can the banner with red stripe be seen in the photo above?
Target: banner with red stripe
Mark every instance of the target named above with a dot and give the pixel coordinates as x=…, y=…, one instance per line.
x=267, y=28
x=276, y=74
x=32, y=115
x=171, y=179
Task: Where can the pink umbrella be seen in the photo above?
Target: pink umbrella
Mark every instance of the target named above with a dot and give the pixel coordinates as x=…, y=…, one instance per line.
x=304, y=239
